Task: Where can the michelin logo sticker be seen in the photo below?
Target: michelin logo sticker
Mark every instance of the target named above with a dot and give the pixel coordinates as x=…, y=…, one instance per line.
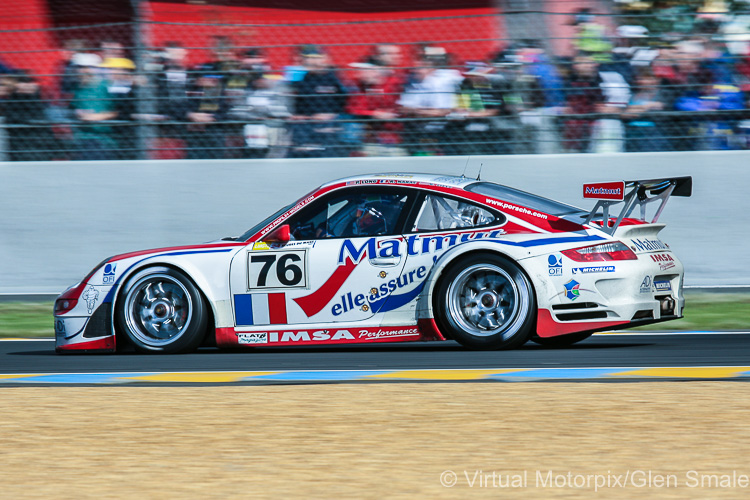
x=90, y=296
x=593, y=269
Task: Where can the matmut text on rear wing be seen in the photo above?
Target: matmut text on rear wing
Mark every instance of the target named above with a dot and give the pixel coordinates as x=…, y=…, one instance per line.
x=633, y=194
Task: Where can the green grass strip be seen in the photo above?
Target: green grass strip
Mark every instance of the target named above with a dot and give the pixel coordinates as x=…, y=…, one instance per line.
x=704, y=311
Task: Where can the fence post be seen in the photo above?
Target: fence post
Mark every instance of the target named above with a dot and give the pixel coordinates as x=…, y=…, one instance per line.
x=525, y=20
x=144, y=90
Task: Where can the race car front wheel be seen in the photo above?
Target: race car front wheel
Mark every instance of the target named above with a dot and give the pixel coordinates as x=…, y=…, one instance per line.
x=485, y=301
x=161, y=310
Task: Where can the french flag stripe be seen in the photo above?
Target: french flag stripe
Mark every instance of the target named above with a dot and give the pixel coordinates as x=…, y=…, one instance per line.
x=243, y=308
x=260, y=309
x=277, y=308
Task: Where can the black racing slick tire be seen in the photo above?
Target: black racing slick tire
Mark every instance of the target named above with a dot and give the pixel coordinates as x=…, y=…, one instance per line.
x=485, y=301
x=561, y=340
x=161, y=311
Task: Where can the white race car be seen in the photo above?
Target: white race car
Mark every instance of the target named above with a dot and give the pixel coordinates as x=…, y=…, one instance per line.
x=394, y=258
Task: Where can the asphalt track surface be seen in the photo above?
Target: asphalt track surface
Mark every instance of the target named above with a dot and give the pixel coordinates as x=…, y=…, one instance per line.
x=629, y=350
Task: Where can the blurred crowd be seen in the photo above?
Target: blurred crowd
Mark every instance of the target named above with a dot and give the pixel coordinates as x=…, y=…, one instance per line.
x=624, y=90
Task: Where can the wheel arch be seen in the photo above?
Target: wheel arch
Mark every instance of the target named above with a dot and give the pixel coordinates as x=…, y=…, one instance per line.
x=201, y=284
x=425, y=307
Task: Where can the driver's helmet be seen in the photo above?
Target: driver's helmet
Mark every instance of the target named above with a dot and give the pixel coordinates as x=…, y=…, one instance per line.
x=369, y=219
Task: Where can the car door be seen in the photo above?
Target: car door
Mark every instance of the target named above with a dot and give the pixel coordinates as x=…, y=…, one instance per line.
x=345, y=247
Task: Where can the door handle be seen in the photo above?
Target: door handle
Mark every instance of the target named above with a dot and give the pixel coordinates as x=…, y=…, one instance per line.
x=385, y=261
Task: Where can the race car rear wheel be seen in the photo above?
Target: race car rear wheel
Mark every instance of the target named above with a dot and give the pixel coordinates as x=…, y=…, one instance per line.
x=161, y=310
x=485, y=301
x=561, y=340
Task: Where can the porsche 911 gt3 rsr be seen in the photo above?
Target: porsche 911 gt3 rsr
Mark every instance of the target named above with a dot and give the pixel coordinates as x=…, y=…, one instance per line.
x=394, y=258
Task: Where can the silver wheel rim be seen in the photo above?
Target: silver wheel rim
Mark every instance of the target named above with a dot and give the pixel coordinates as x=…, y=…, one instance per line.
x=484, y=300
x=158, y=309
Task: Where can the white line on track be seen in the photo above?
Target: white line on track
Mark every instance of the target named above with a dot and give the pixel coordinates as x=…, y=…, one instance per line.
x=617, y=333
x=26, y=340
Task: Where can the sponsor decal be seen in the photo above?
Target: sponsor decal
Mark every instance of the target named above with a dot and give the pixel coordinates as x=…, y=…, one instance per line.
x=663, y=285
x=572, y=289
x=305, y=336
x=325, y=336
x=665, y=260
x=604, y=191
x=60, y=327
x=109, y=274
x=395, y=181
x=252, y=337
x=260, y=246
x=398, y=176
x=646, y=285
x=593, y=269
x=351, y=254
x=362, y=181
x=449, y=180
x=555, y=267
x=378, y=296
x=515, y=208
x=310, y=243
x=287, y=214
x=646, y=245
x=90, y=295
x=382, y=333
x=414, y=245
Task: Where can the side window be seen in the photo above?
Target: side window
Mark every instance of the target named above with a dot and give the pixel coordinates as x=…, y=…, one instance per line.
x=438, y=213
x=348, y=215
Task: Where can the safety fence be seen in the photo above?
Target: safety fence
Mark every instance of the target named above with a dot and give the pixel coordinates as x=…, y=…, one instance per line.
x=230, y=80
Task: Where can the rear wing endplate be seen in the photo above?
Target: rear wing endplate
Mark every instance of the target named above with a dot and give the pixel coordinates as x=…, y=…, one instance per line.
x=633, y=194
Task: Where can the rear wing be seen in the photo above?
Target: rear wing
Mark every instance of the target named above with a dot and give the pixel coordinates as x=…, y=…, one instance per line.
x=639, y=194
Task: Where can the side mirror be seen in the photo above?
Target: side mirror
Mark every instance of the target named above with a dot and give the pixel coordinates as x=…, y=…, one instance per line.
x=281, y=234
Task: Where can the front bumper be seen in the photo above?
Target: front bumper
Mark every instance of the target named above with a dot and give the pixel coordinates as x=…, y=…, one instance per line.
x=78, y=331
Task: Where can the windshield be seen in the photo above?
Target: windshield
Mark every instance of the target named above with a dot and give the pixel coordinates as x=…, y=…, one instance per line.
x=260, y=225
x=524, y=199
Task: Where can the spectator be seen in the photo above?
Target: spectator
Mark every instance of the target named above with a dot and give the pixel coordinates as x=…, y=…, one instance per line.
x=93, y=107
x=241, y=78
x=29, y=135
x=69, y=68
x=224, y=61
x=591, y=37
x=172, y=101
x=374, y=98
x=320, y=100
x=583, y=96
x=429, y=98
x=632, y=47
x=534, y=93
x=207, y=110
x=683, y=81
x=643, y=129
x=294, y=73
x=121, y=89
x=263, y=104
x=112, y=53
x=608, y=135
x=481, y=107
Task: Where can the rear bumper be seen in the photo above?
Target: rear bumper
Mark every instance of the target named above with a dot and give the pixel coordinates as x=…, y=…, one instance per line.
x=632, y=293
